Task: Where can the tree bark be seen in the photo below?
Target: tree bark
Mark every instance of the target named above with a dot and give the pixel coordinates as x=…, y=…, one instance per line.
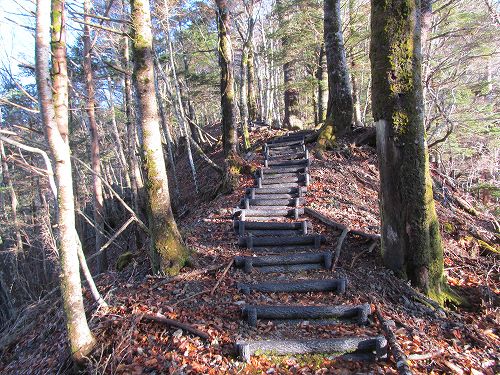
x=116, y=134
x=322, y=78
x=168, y=253
x=252, y=95
x=54, y=113
x=244, y=114
x=102, y=260
x=7, y=180
x=411, y=242
x=228, y=104
x=340, y=110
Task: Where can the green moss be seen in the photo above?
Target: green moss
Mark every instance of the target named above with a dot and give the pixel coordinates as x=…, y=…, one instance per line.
x=326, y=137
x=486, y=246
x=448, y=227
x=124, y=260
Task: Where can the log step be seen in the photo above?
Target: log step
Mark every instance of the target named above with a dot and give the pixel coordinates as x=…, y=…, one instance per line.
x=254, y=312
x=285, y=143
x=299, y=190
x=298, y=225
x=269, y=213
x=287, y=138
x=280, y=249
x=293, y=202
x=280, y=184
x=283, y=163
x=286, y=154
x=313, y=240
x=269, y=176
x=276, y=171
x=272, y=196
x=296, y=286
x=268, y=263
x=373, y=348
x=283, y=181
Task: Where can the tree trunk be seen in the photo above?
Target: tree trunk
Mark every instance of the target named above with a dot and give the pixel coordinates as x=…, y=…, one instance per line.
x=355, y=98
x=411, y=242
x=7, y=181
x=251, y=96
x=102, y=260
x=293, y=116
x=244, y=114
x=339, y=111
x=228, y=104
x=114, y=127
x=182, y=117
x=54, y=115
x=322, y=78
x=168, y=253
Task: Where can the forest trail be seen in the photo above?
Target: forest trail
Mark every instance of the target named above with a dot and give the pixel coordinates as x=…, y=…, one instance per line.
x=286, y=257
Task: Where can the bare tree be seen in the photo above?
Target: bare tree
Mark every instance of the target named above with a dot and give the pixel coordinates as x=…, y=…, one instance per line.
x=168, y=253
x=94, y=137
x=54, y=112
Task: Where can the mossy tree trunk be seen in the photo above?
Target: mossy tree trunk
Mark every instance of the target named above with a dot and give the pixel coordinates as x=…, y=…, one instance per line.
x=252, y=95
x=340, y=110
x=53, y=100
x=322, y=79
x=244, y=114
x=94, y=137
x=411, y=242
x=168, y=253
x=228, y=103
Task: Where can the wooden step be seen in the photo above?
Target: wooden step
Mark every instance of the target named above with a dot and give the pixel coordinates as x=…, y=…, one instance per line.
x=349, y=347
x=283, y=163
x=287, y=143
x=282, y=179
x=298, y=225
x=260, y=184
x=268, y=263
x=293, y=202
x=313, y=240
x=286, y=154
x=270, y=213
x=276, y=171
x=296, y=286
x=255, y=192
x=359, y=313
x=287, y=138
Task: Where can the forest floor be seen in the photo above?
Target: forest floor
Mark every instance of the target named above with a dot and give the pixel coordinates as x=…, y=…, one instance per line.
x=463, y=340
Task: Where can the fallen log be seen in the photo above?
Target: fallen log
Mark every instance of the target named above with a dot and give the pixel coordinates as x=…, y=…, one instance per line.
x=399, y=356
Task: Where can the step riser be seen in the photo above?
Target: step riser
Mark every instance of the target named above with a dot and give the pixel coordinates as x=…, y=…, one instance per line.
x=271, y=232
x=258, y=225
x=285, y=163
x=276, y=171
x=277, y=190
x=247, y=203
x=359, y=313
x=250, y=242
x=305, y=286
x=352, y=345
x=269, y=146
x=285, y=263
x=279, y=185
x=295, y=213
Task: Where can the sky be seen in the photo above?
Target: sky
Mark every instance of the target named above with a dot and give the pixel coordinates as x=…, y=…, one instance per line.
x=17, y=44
